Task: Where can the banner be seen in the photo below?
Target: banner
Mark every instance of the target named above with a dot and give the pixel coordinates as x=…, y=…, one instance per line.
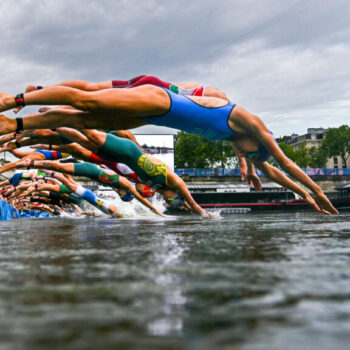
x=236, y=172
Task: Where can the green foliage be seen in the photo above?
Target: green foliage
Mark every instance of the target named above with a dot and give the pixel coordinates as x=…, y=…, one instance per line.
x=337, y=143
x=302, y=156
x=193, y=151
x=287, y=150
x=305, y=157
x=317, y=157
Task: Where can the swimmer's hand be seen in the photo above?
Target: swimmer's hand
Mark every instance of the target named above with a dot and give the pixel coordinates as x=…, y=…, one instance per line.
x=206, y=215
x=254, y=181
x=324, y=204
x=243, y=170
x=158, y=213
x=248, y=174
x=320, y=204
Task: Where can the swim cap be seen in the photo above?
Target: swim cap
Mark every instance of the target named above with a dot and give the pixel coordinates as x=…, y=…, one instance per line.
x=263, y=153
x=127, y=197
x=148, y=192
x=176, y=202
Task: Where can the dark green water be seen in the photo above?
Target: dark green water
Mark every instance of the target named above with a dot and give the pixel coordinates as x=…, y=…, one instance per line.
x=249, y=281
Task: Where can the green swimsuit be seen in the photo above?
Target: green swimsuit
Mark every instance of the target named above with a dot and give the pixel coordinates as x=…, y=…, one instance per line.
x=95, y=173
x=125, y=151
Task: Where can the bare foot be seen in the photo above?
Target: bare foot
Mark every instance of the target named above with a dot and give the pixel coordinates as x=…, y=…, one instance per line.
x=5, y=101
x=29, y=88
x=5, y=125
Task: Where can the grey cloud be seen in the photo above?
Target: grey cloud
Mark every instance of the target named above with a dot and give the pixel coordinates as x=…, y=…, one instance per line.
x=274, y=58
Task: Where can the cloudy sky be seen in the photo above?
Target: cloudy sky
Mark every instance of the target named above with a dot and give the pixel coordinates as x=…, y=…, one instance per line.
x=286, y=61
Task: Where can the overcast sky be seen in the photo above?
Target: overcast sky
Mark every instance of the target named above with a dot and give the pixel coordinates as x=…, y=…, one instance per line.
x=286, y=61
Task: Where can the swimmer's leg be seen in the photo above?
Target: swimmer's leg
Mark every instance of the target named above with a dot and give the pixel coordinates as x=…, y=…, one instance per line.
x=126, y=83
x=144, y=100
x=98, y=203
x=54, y=119
x=149, y=79
x=92, y=171
x=67, y=168
x=77, y=84
x=113, y=148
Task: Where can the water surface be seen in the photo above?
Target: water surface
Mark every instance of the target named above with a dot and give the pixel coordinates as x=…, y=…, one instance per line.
x=247, y=281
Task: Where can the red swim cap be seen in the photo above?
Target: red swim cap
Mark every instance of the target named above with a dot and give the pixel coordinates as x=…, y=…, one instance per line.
x=148, y=192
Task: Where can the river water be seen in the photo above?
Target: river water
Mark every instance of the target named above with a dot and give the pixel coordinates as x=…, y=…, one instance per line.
x=245, y=281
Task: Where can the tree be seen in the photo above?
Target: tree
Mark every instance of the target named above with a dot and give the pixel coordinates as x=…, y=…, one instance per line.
x=305, y=157
x=287, y=150
x=337, y=143
x=302, y=156
x=193, y=151
x=299, y=156
x=317, y=157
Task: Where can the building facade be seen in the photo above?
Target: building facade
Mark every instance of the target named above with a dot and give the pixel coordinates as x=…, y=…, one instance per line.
x=314, y=138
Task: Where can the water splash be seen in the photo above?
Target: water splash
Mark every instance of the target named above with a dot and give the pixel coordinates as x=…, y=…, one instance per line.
x=133, y=208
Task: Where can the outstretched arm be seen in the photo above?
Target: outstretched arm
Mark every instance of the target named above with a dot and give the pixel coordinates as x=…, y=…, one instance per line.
x=255, y=126
x=253, y=179
x=321, y=204
x=247, y=170
x=176, y=183
x=126, y=184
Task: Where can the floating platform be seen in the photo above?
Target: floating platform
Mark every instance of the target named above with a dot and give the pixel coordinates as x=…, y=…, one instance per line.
x=239, y=198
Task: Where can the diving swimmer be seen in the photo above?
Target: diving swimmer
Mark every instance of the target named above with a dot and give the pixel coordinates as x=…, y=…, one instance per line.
x=211, y=117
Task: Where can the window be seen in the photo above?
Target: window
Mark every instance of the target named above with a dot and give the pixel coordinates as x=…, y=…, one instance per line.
x=335, y=161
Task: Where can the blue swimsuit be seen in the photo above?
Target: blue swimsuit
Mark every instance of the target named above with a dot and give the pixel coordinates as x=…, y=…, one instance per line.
x=186, y=115
x=16, y=178
x=51, y=155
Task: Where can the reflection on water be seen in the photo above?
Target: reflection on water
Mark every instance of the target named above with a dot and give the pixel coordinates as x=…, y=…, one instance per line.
x=249, y=281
